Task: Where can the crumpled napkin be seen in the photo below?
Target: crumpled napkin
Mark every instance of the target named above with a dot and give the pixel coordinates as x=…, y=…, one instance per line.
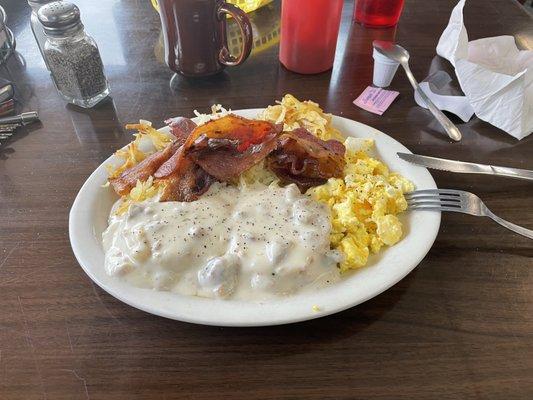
x=495, y=76
x=438, y=82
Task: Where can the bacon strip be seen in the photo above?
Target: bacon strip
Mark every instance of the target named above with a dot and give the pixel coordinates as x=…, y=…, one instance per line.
x=142, y=171
x=171, y=165
x=305, y=160
x=228, y=146
x=188, y=185
x=226, y=164
x=181, y=128
x=241, y=132
x=332, y=145
x=225, y=147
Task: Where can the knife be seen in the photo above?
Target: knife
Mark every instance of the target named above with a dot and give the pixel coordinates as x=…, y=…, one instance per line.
x=466, y=167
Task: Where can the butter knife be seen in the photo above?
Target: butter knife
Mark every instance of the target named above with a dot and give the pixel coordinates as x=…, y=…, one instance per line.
x=466, y=167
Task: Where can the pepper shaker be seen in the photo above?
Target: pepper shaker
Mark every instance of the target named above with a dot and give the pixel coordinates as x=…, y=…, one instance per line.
x=72, y=55
x=7, y=39
x=36, y=26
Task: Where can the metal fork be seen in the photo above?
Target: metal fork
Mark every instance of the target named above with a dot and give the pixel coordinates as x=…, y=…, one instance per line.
x=458, y=201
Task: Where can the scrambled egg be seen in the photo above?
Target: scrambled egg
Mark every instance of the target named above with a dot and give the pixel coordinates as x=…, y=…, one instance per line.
x=364, y=205
x=294, y=113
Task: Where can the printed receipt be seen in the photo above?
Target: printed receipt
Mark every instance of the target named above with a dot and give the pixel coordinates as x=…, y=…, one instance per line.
x=376, y=100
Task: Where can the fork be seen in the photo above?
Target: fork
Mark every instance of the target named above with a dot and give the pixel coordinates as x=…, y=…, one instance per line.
x=458, y=201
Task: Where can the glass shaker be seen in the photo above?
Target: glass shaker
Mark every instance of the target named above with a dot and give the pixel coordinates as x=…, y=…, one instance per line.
x=72, y=56
x=7, y=39
x=36, y=26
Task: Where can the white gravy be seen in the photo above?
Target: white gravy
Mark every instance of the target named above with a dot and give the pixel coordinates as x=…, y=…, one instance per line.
x=249, y=244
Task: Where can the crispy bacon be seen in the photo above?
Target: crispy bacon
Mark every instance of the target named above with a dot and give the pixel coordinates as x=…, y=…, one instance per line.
x=226, y=164
x=171, y=165
x=187, y=185
x=181, y=128
x=218, y=150
x=225, y=147
x=332, y=145
x=142, y=171
x=231, y=129
x=305, y=160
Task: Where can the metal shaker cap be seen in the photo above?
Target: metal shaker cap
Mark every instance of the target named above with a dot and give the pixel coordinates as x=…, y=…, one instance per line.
x=59, y=18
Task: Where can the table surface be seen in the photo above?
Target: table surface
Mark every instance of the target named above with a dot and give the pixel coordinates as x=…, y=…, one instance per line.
x=459, y=326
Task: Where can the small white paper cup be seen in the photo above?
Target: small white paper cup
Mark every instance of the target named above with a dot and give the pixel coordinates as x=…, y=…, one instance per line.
x=384, y=69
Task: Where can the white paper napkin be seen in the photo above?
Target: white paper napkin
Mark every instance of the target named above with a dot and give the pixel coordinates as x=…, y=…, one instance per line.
x=495, y=76
x=437, y=82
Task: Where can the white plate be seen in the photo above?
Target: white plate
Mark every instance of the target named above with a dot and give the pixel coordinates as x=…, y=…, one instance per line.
x=88, y=219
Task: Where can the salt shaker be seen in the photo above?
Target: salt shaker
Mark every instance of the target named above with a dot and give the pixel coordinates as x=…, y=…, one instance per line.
x=72, y=56
x=36, y=26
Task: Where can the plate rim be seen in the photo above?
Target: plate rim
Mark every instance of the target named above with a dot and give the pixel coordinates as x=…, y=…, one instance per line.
x=77, y=207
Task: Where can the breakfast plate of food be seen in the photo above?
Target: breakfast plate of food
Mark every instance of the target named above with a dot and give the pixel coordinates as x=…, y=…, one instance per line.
x=251, y=217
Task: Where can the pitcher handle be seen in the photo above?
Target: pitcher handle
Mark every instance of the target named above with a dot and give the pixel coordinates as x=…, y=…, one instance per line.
x=245, y=26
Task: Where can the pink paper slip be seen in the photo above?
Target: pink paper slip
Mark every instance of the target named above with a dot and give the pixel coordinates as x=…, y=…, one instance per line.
x=375, y=100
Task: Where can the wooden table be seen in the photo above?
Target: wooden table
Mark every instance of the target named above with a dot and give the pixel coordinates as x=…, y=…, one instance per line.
x=458, y=327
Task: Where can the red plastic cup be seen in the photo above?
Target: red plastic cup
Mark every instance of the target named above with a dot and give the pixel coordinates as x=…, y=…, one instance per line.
x=309, y=30
x=378, y=13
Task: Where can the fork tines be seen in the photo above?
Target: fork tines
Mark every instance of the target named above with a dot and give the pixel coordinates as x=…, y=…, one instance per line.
x=434, y=199
x=458, y=201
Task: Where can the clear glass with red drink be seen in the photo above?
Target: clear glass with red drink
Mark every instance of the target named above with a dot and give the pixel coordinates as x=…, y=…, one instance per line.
x=378, y=13
x=309, y=30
